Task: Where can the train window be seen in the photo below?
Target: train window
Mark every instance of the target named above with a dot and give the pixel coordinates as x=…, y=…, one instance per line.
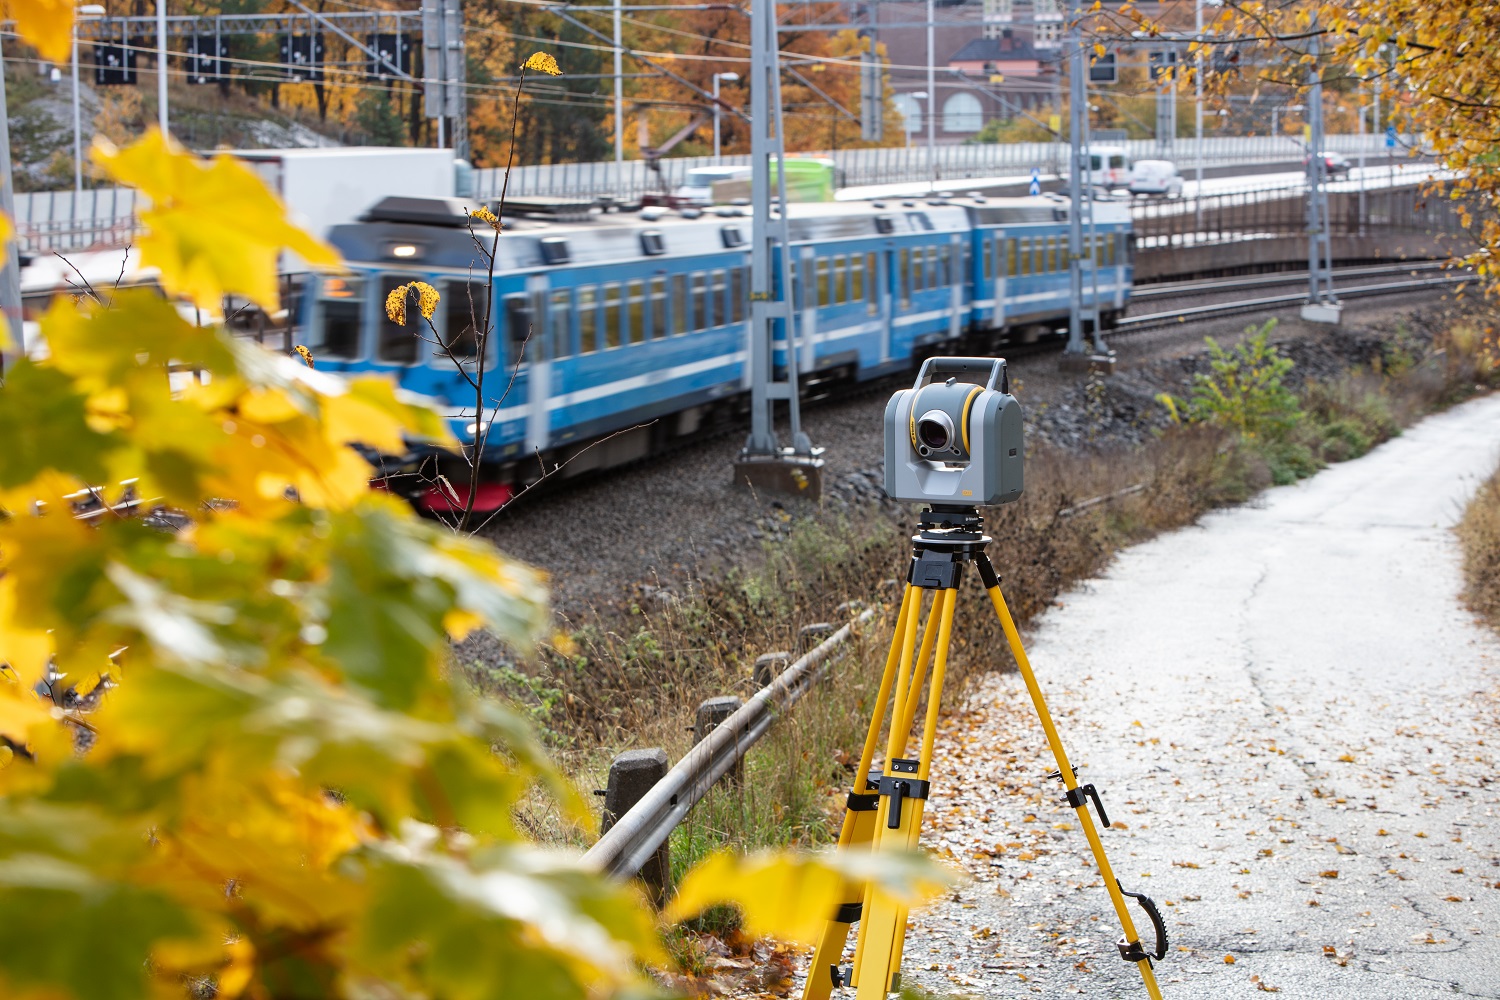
x=1010, y=258
x=718, y=314
x=945, y=266
x=700, y=302
x=679, y=304
x=904, y=268
x=1023, y=257
x=658, y=308
x=652, y=243
x=588, y=320
x=988, y=260
x=918, y=269
x=857, y=277
x=872, y=283
x=519, y=322
x=342, y=308
x=1109, y=248
x=885, y=225
x=559, y=317
x=825, y=291
x=612, y=314
x=463, y=311
x=555, y=250
x=398, y=344
x=739, y=294
x=1038, y=256
x=635, y=312
x=839, y=272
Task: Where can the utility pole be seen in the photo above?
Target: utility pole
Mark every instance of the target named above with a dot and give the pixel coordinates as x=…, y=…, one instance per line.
x=1198, y=115
x=763, y=463
x=1322, y=304
x=620, y=95
x=161, y=64
x=10, y=278
x=1077, y=357
x=931, y=99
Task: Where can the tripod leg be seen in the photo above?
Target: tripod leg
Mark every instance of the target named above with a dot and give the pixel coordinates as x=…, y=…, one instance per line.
x=903, y=794
x=859, y=816
x=1130, y=946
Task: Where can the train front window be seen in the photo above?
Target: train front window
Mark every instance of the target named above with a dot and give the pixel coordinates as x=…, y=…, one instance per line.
x=341, y=318
x=398, y=343
x=463, y=312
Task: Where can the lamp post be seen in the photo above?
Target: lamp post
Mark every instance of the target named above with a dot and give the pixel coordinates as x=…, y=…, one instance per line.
x=89, y=10
x=719, y=108
x=926, y=113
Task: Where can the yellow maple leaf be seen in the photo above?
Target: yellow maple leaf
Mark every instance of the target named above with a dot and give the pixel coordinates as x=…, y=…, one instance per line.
x=213, y=228
x=46, y=24
x=542, y=62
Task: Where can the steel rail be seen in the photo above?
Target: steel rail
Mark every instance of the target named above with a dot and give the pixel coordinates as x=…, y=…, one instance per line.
x=637, y=835
x=1169, y=317
x=1172, y=289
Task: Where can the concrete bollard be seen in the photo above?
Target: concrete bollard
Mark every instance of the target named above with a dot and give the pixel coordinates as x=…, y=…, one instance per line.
x=811, y=635
x=768, y=667
x=631, y=776
x=711, y=714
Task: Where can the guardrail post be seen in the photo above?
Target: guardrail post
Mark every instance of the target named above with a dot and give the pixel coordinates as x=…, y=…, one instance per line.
x=810, y=635
x=711, y=714
x=631, y=775
x=768, y=667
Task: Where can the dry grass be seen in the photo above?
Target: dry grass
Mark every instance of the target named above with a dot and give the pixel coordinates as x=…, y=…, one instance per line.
x=1479, y=534
x=637, y=682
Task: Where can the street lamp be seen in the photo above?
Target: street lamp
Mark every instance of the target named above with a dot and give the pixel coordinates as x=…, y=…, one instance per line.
x=926, y=113
x=718, y=109
x=89, y=11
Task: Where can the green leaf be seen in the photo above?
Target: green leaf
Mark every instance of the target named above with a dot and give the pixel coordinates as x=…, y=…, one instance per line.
x=43, y=426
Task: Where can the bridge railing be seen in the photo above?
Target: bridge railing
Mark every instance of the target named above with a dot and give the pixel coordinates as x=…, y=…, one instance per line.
x=630, y=179
x=1236, y=216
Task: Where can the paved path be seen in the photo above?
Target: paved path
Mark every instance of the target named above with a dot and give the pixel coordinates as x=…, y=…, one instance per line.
x=1294, y=720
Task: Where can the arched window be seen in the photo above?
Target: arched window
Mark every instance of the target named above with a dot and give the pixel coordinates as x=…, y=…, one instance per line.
x=911, y=110
x=961, y=113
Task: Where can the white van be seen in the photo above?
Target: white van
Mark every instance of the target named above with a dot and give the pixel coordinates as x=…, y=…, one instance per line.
x=1106, y=166
x=697, y=187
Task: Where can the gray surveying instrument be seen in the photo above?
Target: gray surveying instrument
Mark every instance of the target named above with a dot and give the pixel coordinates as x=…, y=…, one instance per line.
x=954, y=442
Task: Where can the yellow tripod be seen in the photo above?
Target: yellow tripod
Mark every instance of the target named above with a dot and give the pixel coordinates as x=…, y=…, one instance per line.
x=884, y=811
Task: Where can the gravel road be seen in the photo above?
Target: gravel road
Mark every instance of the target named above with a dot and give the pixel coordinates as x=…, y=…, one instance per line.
x=1293, y=722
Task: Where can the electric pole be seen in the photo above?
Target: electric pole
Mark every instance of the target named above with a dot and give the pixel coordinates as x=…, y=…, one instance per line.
x=763, y=463
x=1322, y=304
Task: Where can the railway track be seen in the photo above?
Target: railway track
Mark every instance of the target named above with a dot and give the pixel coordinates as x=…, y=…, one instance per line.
x=1193, y=287
x=1234, y=307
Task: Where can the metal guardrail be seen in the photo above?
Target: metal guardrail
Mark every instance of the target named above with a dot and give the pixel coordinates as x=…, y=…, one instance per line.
x=645, y=827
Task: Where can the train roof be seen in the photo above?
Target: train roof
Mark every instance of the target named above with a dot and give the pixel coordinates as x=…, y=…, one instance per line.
x=433, y=233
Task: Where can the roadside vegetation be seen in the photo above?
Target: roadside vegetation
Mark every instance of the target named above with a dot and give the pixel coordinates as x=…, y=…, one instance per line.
x=1479, y=535
x=1244, y=423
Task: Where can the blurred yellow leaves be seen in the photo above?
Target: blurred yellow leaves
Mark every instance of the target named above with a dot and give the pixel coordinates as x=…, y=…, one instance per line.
x=789, y=896
x=213, y=228
x=46, y=24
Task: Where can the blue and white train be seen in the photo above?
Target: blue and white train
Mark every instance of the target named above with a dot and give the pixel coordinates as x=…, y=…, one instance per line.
x=621, y=320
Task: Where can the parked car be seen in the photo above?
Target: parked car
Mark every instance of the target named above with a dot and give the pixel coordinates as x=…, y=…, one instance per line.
x=1156, y=177
x=1334, y=163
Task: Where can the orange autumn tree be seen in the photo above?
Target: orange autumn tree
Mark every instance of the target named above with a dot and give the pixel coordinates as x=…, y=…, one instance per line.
x=1437, y=62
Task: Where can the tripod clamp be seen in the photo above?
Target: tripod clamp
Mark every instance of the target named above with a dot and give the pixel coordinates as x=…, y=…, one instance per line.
x=1132, y=951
